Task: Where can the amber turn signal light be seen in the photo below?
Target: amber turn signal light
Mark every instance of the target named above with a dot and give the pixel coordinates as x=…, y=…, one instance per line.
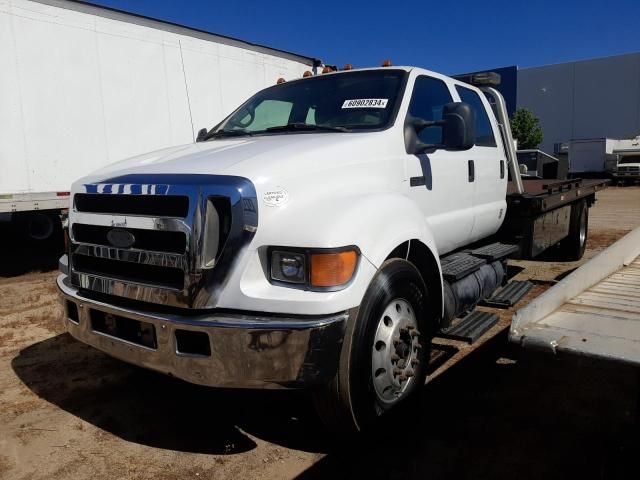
x=332, y=269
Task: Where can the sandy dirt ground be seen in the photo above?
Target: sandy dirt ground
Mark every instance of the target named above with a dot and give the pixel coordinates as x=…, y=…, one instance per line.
x=488, y=411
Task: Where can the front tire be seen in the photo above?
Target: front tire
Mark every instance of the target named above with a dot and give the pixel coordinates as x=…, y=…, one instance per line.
x=385, y=351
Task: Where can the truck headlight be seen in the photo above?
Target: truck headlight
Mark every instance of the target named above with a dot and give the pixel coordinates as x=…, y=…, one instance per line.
x=313, y=269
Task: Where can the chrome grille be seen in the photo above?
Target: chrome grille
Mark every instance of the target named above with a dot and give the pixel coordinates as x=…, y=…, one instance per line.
x=139, y=239
x=155, y=240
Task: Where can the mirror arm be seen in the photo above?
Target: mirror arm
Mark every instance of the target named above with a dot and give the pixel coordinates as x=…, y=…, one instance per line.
x=421, y=148
x=420, y=124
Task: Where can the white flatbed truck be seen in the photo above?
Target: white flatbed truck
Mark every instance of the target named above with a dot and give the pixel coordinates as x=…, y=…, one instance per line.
x=318, y=237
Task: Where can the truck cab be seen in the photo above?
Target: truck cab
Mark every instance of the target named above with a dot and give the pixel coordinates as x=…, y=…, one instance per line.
x=627, y=169
x=298, y=243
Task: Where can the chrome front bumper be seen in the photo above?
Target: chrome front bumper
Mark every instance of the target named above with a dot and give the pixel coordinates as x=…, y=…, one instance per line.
x=246, y=350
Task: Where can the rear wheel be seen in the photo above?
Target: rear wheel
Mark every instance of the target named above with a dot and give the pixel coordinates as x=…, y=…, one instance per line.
x=43, y=229
x=384, y=353
x=574, y=245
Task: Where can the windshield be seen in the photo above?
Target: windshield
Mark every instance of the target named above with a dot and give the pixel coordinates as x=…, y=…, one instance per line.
x=344, y=102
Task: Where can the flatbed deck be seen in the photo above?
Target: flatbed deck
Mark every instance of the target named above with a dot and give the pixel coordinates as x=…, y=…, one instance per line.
x=544, y=195
x=540, y=217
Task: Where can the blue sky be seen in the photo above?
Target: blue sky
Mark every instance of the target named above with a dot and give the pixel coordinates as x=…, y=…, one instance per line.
x=447, y=36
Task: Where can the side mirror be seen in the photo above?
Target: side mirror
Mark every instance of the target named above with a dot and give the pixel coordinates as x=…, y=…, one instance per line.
x=458, y=130
x=459, y=126
x=202, y=134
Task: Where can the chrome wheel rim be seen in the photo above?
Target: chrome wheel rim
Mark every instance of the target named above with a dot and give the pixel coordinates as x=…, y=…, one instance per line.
x=395, y=351
x=583, y=228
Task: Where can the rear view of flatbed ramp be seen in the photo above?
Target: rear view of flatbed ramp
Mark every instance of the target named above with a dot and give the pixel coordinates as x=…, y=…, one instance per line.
x=595, y=311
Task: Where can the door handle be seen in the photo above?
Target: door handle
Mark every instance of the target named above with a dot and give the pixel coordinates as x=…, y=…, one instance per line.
x=472, y=170
x=501, y=168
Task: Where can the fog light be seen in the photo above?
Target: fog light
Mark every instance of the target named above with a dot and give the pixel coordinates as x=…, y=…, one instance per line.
x=288, y=267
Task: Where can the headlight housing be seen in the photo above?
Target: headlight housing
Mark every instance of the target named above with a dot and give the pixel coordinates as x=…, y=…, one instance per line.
x=313, y=269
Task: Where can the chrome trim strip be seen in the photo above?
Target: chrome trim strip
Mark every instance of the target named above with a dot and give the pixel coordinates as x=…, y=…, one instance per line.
x=146, y=257
x=129, y=221
x=134, y=291
x=276, y=352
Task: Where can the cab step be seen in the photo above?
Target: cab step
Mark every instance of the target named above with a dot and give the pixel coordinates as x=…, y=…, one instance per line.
x=495, y=251
x=508, y=296
x=459, y=265
x=470, y=328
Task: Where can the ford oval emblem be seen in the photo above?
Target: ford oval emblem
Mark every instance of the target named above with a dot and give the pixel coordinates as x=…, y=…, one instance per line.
x=120, y=238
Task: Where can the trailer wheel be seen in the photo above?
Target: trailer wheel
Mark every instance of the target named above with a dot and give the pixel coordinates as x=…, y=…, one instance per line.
x=43, y=229
x=574, y=245
x=384, y=353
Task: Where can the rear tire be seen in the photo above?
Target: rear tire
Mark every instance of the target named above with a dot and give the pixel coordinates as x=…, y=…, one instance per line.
x=574, y=245
x=40, y=228
x=385, y=352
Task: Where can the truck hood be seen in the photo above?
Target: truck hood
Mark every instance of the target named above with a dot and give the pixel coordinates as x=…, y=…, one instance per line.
x=298, y=177
x=257, y=158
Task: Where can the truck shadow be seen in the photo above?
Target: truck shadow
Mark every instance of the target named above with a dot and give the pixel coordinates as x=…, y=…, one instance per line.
x=159, y=411
x=491, y=415
x=494, y=415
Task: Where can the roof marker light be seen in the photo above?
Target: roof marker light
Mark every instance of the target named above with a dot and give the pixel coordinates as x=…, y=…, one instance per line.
x=280, y=80
x=386, y=63
x=347, y=66
x=306, y=74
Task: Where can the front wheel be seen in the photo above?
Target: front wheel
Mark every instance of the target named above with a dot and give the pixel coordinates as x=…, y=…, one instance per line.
x=385, y=351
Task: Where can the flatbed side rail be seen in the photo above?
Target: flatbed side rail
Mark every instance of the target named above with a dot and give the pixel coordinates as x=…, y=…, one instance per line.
x=541, y=196
x=562, y=185
x=532, y=326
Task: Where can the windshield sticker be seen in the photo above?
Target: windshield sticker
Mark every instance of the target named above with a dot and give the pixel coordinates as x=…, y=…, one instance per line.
x=366, y=103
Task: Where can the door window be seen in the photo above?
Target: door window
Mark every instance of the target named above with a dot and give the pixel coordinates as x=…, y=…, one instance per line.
x=429, y=96
x=484, y=132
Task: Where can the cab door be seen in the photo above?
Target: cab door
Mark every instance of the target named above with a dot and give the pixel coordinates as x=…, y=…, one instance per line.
x=439, y=182
x=489, y=166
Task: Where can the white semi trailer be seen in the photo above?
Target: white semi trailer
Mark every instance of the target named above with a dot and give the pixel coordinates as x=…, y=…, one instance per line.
x=77, y=78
